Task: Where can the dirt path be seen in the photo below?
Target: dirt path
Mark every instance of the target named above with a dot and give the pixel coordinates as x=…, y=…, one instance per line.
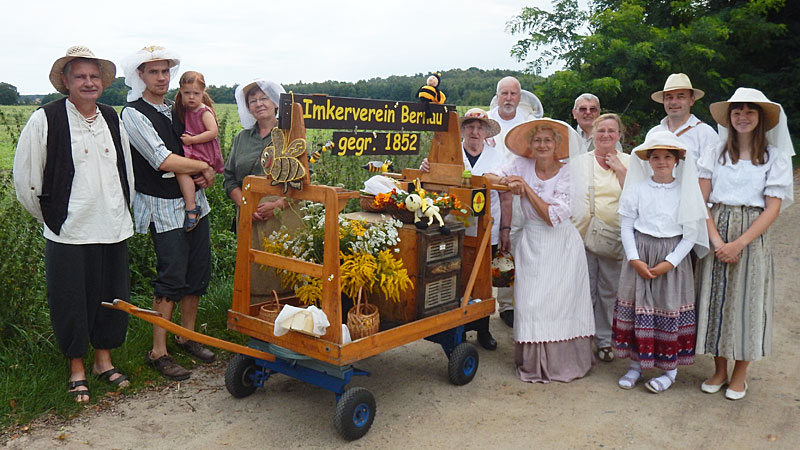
x=418, y=408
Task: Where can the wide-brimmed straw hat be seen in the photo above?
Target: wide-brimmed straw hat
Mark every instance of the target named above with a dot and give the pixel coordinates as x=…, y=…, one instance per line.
x=492, y=127
x=675, y=82
x=518, y=140
x=107, y=68
x=772, y=110
x=660, y=140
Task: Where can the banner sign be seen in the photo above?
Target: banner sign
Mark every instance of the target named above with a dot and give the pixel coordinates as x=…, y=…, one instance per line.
x=323, y=111
x=371, y=143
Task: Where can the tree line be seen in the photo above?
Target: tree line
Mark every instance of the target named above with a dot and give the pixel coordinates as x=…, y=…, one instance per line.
x=471, y=86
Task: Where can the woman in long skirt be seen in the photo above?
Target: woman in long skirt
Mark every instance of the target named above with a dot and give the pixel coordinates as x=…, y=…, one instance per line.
x=553, y=320
x=748, y=179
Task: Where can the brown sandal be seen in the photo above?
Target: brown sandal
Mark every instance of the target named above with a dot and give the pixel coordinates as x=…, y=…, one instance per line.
x=605, y=354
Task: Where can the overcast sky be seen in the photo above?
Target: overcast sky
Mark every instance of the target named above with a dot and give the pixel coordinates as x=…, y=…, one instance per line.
x=232, y=41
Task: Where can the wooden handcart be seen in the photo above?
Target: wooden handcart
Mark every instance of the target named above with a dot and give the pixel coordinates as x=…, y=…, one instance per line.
x=325, y=361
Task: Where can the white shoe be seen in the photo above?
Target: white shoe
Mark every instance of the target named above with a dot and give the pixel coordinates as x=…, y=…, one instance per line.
x=736, y=395
x=712, y=388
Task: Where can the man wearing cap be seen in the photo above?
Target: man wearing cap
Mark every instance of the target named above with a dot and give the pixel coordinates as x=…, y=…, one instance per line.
x=509, y=114
x=678, y=96
x=73, y=172
x=183, y=258
x=479, y=157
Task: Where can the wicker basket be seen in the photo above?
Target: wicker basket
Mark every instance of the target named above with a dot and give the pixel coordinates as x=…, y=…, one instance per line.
x=363, y=319
x=367, y=203
x=269, y=311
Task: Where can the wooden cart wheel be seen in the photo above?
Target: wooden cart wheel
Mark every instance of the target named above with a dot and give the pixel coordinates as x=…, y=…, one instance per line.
x=463, y=364
x=354, y=414
x=239, y=376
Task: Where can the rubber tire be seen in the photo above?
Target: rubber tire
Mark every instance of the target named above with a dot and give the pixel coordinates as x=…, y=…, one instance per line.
x=237, y=376
x=354, y=414
x=463, y=364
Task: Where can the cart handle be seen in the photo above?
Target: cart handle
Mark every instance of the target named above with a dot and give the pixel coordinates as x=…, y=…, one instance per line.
x=476, y=267
x=156, y=319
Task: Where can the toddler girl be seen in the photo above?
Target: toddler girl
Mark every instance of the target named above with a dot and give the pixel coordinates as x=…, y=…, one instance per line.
x=193, y=107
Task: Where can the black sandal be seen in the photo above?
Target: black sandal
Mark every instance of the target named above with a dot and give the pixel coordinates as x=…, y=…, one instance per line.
x=77, y=393
x=106, y=376
x=190, y=223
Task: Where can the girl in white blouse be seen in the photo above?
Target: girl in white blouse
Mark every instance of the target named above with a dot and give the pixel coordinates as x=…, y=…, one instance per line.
x=662, y=217
x=748, y=179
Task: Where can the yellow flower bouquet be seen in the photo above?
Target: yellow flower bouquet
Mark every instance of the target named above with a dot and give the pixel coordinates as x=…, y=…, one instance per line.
x=367, y=258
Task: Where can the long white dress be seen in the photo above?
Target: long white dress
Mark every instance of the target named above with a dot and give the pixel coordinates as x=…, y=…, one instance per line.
x=553, y=319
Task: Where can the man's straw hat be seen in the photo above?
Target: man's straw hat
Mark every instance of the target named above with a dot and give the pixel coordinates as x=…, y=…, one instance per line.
x=107, y=69
x=675, y=82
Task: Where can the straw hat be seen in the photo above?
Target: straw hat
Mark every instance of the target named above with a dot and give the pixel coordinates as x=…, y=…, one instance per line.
x=772, y=110
x=492, y=127
x=518, y=140
x=675, y=82
x=660, y=140
x=107, y=69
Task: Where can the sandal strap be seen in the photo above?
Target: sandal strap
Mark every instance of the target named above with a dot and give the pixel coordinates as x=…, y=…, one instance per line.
x=74, y=384
x=107, y=374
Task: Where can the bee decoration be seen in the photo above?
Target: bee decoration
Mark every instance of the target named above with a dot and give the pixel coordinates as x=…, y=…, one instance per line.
x=317, y=155
x=379, y=166
x=280, y=160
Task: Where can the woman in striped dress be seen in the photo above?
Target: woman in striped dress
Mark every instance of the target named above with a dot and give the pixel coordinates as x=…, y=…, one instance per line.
x=748, y=179
x=553, y=319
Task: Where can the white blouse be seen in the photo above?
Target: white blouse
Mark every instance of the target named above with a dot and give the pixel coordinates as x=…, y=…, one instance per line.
x=652, y=208
x=744, y=183
x=554, y=191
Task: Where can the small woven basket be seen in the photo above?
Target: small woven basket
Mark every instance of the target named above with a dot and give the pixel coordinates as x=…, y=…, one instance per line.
x=269, y=311
x=367, y=203
x=363, y=319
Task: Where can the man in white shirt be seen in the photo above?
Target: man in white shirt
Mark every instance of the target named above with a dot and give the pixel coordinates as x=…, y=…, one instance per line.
x=183, y=258
x=678, y=97
x=73, y=172
x=508, y=114
x=585, y=111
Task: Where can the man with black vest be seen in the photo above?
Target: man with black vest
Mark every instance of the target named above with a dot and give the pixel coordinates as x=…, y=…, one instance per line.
x=183, y=258
x=73, y=172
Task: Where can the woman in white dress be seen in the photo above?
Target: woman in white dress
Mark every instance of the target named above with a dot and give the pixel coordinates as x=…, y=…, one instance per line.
x=553, y=320
x=748, y=179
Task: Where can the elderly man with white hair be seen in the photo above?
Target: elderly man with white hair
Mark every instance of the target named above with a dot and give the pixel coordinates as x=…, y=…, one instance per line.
x=72, y=171
x=183, y=258
x=514, y=106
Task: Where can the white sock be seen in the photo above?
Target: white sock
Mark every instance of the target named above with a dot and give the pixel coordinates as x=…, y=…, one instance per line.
x=633, y=373
x=666, y=379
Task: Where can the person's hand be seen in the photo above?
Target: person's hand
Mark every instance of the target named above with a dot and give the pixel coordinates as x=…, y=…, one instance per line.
x=661, y=268
x=187, y=139
x=200, y=181
x=729, y=253
x=614, y=163
x=517, y=187
x=266, y=210
x=716, y=242
x=505, y=240
x=425, y=166
x=209, y=174
x=642, y=269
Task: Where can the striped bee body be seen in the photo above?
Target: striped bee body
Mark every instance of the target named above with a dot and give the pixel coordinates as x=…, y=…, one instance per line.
x=280, y=161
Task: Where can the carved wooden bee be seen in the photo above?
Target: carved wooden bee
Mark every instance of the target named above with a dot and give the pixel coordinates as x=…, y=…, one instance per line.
x=280, y=160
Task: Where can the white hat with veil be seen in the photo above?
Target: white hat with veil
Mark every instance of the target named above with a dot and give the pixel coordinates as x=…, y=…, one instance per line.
x=130, y=66
x=271, y=89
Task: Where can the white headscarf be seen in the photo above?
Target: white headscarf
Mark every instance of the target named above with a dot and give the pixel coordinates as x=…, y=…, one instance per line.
x=130, y=66
x=692, y=210
x=271, y=89
x=779, y=138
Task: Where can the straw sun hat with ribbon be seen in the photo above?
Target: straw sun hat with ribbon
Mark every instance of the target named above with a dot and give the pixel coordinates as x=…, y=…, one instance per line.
x=675, y=82
x=518, y=140
x=107, y=69
x=660, y=140
x=492, y=127
x=772, y=110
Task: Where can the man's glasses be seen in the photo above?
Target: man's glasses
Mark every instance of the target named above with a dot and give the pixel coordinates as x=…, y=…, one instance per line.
x=584, y=109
